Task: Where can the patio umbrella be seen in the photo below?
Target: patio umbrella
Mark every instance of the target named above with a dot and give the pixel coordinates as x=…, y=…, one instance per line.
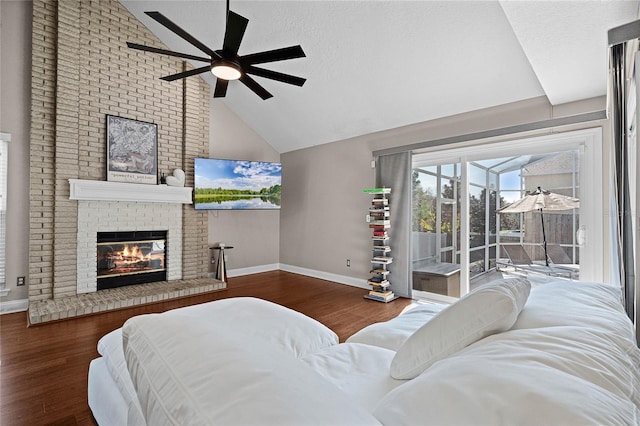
x=543, y=201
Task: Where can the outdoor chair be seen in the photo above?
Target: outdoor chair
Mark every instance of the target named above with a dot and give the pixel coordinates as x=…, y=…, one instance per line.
x=517, y=255
x=559, y=258
x=519, y=259
x=557, y=255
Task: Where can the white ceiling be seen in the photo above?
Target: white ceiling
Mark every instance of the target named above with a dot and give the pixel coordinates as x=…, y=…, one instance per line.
x=377, y=65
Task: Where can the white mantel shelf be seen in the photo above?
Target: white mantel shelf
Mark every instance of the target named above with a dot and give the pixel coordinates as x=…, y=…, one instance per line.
x=99, y=190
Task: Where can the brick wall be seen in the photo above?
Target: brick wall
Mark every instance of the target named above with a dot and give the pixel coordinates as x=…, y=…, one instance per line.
x=82, y=70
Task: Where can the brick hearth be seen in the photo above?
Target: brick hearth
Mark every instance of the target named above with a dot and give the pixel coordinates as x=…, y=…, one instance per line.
x=116, y=298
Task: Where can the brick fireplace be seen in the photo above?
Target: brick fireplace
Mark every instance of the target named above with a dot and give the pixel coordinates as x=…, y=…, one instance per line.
x=109, y=207
x=82, y=71
x=111, y=216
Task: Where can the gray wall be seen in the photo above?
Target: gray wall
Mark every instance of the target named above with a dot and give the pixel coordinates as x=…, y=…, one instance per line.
x=254, y=234
x=323, y=208
x=323, y=214
x=15, y=97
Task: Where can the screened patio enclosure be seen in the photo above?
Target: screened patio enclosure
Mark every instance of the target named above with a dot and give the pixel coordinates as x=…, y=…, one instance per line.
x=443, y=192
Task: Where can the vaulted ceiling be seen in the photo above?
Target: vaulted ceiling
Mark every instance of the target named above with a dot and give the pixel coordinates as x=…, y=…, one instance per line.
x=378, y=65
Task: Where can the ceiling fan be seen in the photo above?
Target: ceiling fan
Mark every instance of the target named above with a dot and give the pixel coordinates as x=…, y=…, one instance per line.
x=225, y=63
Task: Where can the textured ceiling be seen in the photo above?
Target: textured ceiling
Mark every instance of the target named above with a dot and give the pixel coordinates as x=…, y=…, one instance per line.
x=377, y=65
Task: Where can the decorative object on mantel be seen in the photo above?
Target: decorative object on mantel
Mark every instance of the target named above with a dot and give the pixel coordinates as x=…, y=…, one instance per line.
x=132, y=151
x=177, y=179
x=225, y=64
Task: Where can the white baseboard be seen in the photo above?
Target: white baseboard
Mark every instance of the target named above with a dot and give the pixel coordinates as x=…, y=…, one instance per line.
x=252, y=270
x=12, y=306
x=342, y=279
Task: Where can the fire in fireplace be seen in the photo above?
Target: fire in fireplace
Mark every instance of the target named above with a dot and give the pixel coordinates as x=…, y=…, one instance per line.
x=131, y=257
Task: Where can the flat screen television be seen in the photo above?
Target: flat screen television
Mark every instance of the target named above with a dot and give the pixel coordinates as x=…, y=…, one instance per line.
x=236, y=185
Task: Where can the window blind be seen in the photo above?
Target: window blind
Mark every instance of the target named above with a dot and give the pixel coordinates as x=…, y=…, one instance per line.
x=4, y=148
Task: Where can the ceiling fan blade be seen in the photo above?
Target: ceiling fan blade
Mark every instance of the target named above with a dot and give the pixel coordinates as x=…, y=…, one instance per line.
x=178, y=76
x=253, y=85
x=236, y=26
x=161, y=19
x=221, y=88
x=274, y=75
x=166, y=52
x=282, y=54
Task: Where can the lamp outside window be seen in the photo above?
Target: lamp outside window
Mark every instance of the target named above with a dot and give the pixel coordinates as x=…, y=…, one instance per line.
x=226, y=70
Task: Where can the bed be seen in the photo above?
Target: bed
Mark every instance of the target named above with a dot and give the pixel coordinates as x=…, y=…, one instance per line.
x=506, y=353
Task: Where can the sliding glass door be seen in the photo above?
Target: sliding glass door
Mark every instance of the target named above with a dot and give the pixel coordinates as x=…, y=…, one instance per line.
x=459, y=241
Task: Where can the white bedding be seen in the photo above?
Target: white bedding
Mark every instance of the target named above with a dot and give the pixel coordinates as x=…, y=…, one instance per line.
x=392, y=334
x=360, y=371
x=570, y=358
x=108, y=404
x=255, y=318
x=486, y=386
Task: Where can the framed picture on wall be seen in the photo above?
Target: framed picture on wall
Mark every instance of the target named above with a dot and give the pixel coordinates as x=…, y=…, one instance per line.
x=132, y=151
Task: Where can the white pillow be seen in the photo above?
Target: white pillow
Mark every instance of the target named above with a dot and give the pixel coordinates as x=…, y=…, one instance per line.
x=188, y=372
x=490, y=309
x=260, y=319
x=393, y=333
x=557, y=303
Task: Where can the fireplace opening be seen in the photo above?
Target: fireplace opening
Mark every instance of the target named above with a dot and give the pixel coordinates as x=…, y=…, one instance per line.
x=130, y=257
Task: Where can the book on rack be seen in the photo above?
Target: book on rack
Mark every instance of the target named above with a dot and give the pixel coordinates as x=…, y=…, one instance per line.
x=379, y=215
x=379, y=288
x=380, y=233
x=380, y=225
x=379, y=271
x=377, y=190
x=376, y=279
x=381, y=259
x=381, y=298
x=381, y=285
x=385, y=293
x=379, y=209
x=383, y=249
x=380, y=222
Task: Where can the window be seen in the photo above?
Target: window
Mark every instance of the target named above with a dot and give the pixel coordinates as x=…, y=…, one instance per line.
x=436, y=222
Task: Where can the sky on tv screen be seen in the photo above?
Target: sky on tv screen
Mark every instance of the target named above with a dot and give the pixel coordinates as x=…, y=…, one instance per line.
x=236, y=174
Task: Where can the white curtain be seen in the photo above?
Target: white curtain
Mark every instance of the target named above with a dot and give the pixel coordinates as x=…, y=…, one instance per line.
x=622, y=110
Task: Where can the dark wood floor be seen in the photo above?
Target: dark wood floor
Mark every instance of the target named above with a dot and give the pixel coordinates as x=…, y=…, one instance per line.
x=43, y=368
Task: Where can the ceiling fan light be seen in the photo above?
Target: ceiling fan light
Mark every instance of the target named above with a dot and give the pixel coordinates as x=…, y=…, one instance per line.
x=226, y=70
